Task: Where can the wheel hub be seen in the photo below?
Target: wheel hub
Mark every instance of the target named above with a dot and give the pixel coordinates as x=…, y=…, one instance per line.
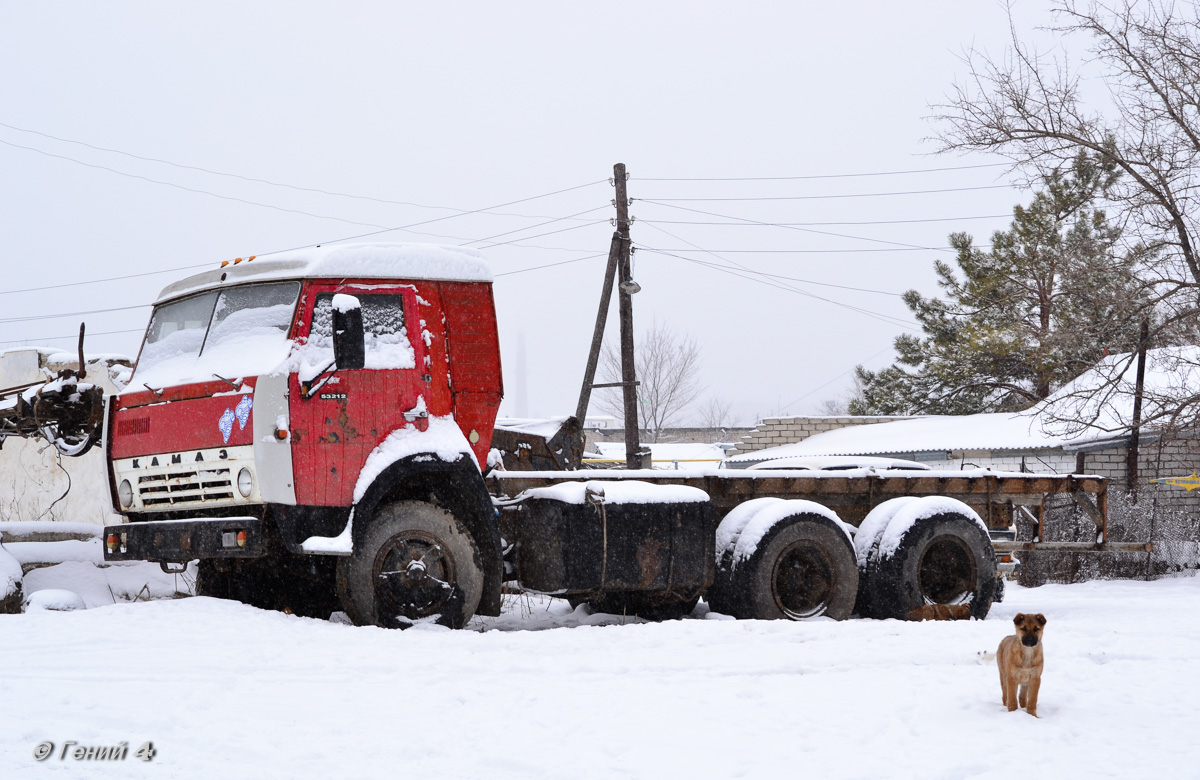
x=802, y=581
x=947, y=572
x=414, y=575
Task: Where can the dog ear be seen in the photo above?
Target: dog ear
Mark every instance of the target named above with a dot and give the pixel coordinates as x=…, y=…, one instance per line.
x=1019, y=618
x=1040, y=618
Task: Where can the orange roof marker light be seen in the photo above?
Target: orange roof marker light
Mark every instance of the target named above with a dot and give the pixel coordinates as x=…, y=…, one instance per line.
x=237, y=260
x=224, y=263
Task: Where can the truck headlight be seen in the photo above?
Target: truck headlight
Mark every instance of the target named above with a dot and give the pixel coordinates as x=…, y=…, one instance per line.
x=245, y=482
x=125, y=494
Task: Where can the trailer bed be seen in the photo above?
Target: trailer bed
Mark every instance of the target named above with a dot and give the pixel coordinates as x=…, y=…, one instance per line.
x=996, y=495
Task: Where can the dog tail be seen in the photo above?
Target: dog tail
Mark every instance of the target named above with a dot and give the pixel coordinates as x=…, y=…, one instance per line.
x=985, y=657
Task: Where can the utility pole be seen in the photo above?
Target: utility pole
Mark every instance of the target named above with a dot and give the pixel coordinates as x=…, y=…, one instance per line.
x=589, y=373
x=618, y=266
x=635, y=456
x=1135, y=431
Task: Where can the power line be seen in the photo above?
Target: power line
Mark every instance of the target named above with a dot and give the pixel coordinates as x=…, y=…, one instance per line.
x=836, y=378
x=725, y=269
x=552, y=265
x=539, y=235
x=32, y=317
x=833, y=175
x=872, y=314
x=440, y=219
x=74, y=336
x=793, y=227
x=185, y=189
x=811, y=251
x=141, y=330
x=833, y=197
x=381, y=230
x=540, y=224
x=266, y=254
x=669, y=253
x=107, y=279
x=210, y=265
x=181, y=166
x=826, y=224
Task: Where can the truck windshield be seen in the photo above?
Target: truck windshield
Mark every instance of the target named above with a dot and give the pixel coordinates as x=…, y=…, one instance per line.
x=237, y=332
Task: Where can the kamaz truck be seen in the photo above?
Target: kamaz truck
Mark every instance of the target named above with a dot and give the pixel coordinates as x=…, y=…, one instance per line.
x=317, y=429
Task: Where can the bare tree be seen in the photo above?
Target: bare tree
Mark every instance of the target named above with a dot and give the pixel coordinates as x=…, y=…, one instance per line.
x=834, y=407
x=715, y=414
x=842, y=405
x=1031, y=108
x=668, y=367
x=1035, y=110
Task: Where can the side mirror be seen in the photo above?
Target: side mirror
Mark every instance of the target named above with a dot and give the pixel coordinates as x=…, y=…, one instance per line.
x=349, y=347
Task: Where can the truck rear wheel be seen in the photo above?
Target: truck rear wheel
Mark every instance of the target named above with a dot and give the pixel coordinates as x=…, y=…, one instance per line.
x=723, y=594
x=804, y=567
x=866, y=545
x=416, y=562
x=946, y=558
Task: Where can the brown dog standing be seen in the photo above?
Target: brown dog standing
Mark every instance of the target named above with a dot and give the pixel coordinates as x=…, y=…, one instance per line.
x=1020, y=660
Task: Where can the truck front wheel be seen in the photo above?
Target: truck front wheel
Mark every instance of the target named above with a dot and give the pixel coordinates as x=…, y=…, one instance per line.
x=416, y=563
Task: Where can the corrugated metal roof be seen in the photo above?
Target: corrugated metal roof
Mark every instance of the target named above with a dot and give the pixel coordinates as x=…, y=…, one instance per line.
x=1096, y=406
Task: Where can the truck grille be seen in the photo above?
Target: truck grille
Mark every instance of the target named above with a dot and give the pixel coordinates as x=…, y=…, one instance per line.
x=185, y=487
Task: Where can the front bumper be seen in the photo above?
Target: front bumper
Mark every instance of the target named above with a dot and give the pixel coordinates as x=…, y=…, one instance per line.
x=177, y=541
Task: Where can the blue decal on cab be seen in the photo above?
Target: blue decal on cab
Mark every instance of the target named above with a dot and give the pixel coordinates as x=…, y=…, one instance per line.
x=243, y=411
x=226, y=424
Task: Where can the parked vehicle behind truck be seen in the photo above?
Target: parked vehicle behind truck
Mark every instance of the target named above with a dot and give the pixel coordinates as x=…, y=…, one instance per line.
x=315, y=428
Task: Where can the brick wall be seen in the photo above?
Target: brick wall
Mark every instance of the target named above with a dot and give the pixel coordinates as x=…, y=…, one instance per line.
x=668, y=435
x=774, y=431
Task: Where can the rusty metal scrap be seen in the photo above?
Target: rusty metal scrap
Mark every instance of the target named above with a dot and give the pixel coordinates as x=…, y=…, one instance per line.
x=66, y=411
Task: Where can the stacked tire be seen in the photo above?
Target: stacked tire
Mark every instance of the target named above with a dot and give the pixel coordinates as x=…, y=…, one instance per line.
x=917, y=551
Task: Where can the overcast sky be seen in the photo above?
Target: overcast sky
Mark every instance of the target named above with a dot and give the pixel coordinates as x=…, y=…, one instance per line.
x=423, y=110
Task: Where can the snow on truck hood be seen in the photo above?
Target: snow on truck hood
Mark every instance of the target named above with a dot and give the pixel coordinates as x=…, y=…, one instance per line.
x=362, y=261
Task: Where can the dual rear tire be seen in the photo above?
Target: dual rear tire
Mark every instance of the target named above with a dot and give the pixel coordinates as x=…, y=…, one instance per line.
x=781, y=560
x=797, y=564
x=944, y=557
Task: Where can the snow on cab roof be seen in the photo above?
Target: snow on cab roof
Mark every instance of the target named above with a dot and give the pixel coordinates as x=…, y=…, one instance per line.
x=361, y=261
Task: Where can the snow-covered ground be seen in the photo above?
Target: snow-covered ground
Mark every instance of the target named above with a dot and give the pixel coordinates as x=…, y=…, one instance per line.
x=224, y=690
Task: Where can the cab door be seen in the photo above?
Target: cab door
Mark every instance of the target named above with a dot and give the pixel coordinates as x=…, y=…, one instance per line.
x=345, y=415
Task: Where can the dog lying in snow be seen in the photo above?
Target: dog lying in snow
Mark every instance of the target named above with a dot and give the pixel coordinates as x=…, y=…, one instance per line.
x=1020, y=660
x=941, y=612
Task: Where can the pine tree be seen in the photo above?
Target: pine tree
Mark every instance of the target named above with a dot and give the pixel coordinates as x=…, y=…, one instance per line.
x=1052, y=296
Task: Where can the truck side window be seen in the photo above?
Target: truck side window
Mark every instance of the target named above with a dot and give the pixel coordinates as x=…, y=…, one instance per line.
x=383, y=325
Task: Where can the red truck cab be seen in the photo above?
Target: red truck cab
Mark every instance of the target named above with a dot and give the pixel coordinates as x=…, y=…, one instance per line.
x=244, y=439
